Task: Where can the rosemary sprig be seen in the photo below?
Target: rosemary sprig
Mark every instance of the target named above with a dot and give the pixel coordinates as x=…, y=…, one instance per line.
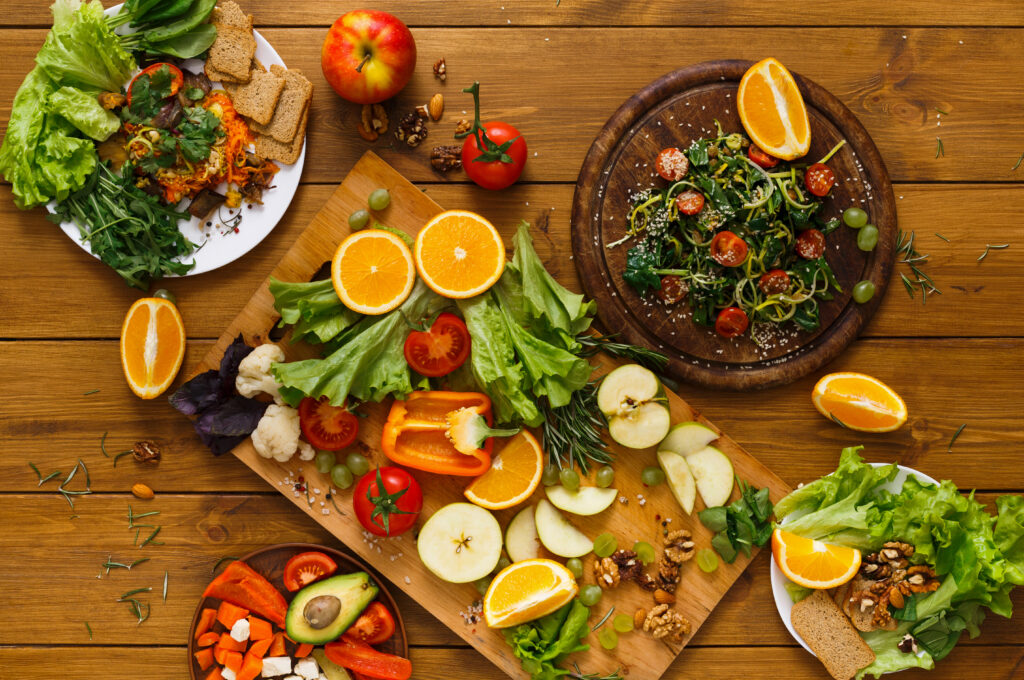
x=988, y=247
x=43, y=480
x=103, y=444
x=944, y=113
x=88, y=628
x=139, y=609
x=86, y=394
x=226, y=558
x=67, y=493
x=603, y=619
x=913, y=259
x=577, y=674
x=1017, y=164
x=151, y=537
x=336, y=508
x=949, y=449
x=148, y=589
x=592, y=344
x=39, y=475
x=942, y=237
x=132, y=516
x=940, y=150
x=571, y=434
x=121, y=455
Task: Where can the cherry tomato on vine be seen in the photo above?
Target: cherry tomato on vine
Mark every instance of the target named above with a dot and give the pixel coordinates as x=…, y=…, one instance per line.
x=387, y=501
x=690, y=202
x=672, y=164
x=672, y=289
x=327, y=427
x=810, y=244
x=494, y=153
x=731, y=322
x=307, y=567
x=374, y=626
x=819, y=179
x=756, y=154
x=439, y=350
x=773, y=282
x=728, y=249
x=177, y=78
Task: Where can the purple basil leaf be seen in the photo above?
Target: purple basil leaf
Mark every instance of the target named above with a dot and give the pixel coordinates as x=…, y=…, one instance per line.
x=198, y=394
x=236, y=416
x=233, y=356
x=220, y=445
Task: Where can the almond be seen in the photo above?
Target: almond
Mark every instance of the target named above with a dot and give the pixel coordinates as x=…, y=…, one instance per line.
x=664, y=597
x=436, y=106
x=140, y=490
x=638, y=618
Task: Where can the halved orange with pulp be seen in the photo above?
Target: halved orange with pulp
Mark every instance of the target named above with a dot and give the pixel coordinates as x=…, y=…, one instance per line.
x=372, y=271
x=459, y=254
x=859, y=402
x=813, y=564
x=772, y=110
x=152, y=346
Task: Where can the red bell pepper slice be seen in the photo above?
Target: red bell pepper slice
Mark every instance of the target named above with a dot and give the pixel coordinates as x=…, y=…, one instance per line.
x=240, y=585
x=362, y=658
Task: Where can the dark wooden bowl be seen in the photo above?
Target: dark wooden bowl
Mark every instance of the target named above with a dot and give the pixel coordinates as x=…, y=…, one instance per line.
x=672, y=111
x=270, y=562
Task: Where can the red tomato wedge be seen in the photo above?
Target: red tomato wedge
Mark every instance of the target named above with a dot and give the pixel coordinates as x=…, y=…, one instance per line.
x=327, y=427
x=374, y=626
x=672, y=164
x=728, y=249
x=810, y=244
x=774, y=282
x=362, y=658
x=440, y=350
x=819, y=179
x=177, y=78
x=756, y=154
x=307, y=567
x=731, y=322
x=690, y=202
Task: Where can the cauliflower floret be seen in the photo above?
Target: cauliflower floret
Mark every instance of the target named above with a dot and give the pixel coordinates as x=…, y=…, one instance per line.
x=254, y=372
x=277, y=435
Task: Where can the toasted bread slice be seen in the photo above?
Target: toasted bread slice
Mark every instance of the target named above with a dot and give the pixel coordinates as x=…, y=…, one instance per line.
x=216, y=76
x=230, y=14
x=295, y=98
x=232, y=52
x=258, y=98
x=268, y=147
x=830, y=635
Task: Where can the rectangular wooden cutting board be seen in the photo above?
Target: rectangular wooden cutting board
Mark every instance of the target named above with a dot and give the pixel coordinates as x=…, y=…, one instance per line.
x=640, y=514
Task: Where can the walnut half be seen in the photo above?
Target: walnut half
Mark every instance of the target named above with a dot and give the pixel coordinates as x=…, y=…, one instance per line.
x=662, y=621
x=606, y=572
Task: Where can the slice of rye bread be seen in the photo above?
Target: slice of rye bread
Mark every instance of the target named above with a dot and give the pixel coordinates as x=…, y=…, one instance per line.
x=268, y=147
x=232, y=52
x=830, y=635
x=258, y=98
x=295, y=98
x=230, y=14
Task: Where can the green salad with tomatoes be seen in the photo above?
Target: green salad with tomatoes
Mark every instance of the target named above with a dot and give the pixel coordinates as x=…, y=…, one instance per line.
x=736, y=233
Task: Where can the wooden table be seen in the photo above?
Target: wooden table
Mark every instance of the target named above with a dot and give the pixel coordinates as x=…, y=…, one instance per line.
x=557, y=70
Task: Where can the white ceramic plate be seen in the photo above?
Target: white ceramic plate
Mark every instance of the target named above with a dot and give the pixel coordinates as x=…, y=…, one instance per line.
x=783, y=602
x=221, y=244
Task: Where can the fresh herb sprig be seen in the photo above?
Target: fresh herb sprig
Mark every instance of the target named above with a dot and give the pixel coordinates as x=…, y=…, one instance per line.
x=988, y=247
x=956, y=435
x=577, y=674
x=571, y=434
x=913, y=259
x=649, y=358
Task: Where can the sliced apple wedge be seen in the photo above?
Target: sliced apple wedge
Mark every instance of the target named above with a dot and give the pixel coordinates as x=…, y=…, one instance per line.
x=460, y=543
x=588, y=500
x=557, y=535
x=521, y=541
x=686, y=438
x=680, y=479
x=712, y=471
x=633, y=401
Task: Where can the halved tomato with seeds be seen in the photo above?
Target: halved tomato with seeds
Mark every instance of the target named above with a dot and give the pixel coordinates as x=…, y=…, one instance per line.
x=327, y=427
x=307, y=567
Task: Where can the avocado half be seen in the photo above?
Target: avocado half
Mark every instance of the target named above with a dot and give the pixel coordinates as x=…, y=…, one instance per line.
x=322, y=611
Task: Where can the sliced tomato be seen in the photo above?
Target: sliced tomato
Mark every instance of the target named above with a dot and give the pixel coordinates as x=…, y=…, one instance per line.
x=672, y=289
x=731, y=322
x=307, y=567
x=690, y=202
x=374, y=626
x=177, y=78
x=819, y=179
x=774, y=282
x=325, y=426
x=810, y=244
x=728, y=249
x=440, y=350
x=756, y=154
x=360, y=657
x=672, y=164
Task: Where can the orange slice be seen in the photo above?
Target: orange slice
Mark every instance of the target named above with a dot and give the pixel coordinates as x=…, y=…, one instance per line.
x=372, y=271
x=860, y=402
x=772, y=110
x=152, y=346
x=459, y=254
x=527, y=590
x=813, y=564
x=513, y=477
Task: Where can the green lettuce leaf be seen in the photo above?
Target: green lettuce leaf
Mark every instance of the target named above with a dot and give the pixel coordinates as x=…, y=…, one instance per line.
x=17, y=155
x=82, y=51
x=83, y=110
x=313, y=308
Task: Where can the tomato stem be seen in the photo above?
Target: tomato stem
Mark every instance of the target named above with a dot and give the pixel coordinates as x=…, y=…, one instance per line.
x=489, y=150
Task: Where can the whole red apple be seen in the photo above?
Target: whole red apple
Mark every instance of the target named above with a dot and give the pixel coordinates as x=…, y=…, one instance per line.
x=368, y=56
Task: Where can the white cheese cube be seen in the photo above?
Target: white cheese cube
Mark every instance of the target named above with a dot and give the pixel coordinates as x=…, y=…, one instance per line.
x=240, y=631
x=227, y=673
x=307, y=668
x=276, y=665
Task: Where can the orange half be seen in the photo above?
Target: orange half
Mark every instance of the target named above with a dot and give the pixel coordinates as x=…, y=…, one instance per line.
x=772, y=110
x=152, y=346
x=860, y=402
x=527, y=590
x=514, y=474
x=459, y=254
x=372, y=271
x=813, y=564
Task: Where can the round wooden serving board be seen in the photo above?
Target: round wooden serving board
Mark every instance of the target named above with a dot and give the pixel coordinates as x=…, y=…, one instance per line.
x=269, y=562
x=673, y=111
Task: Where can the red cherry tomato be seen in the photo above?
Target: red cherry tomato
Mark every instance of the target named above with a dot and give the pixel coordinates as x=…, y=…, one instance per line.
x=391, y=510
x=773, y=282
x=374, y=626
x=440, y=350
x=810, y=244
x=177, y=78
x=495, y=174
x=672, y=164
x=731, y=322
x=728, y=249
x=672, y=289
x=307, y=567
x=327, y=427
x=690, y=202
x=763, y=159
x=819, y=179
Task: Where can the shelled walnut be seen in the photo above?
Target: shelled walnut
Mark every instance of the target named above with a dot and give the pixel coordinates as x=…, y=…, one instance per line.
x=446, y=158
x=679, y=546
x=441, y=70
x=606, y=572
x=146, y=451
x=629, y=565
x=462, y=127
x=662, y=621
x=668, y=575
x=411, y=129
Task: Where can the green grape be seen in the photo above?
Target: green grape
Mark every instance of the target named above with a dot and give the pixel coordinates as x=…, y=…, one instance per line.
x=324, y=461
x=644, y=551
x=482, y=584
x=707, y=560
x=652, y=476
x=502, y=563
x=605, y=477
x=357, y=463
x=341, y=476
x=863, y=291
x=605, y=544
x=550, y=475
x=379, y=199
x=575, y=565
x=855, y=217
x=165, y=294
x=590, y=595
x=570, y=479
x=622, y=623
x=608, y=638
x=867, y=238
x=358, y=220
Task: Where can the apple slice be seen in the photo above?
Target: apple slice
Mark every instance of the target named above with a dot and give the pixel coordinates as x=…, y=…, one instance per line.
x=557, y=535
x=686, y=438
x=633, y=401
x=460, y=543
x=679, y=478
x=521, y=541
x=712, y=470
x=588, y=500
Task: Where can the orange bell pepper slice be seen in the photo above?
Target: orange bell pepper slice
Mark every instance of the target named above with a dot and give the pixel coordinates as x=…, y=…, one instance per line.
x=416, y=433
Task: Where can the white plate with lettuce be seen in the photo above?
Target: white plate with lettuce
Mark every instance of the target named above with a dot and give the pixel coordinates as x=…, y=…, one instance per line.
x=978, y=557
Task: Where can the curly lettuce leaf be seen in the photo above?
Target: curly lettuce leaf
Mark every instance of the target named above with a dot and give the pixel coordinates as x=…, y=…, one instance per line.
x=82, y=109
x=82, y=51
x=313, y=308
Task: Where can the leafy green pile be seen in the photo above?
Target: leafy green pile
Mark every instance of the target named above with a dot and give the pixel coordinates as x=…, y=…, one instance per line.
x=313, y=308
x=174, y=27
x=542, y=644
x=978, y=557
x=744, y=523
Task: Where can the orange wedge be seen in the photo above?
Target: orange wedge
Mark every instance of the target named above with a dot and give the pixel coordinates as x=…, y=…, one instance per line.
x=152, y=346
x=813, y=564
x=513, y=477
x=459, y=254
x=372, y=271
x=527, y=590
x=772, y=110
x=860, y=402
